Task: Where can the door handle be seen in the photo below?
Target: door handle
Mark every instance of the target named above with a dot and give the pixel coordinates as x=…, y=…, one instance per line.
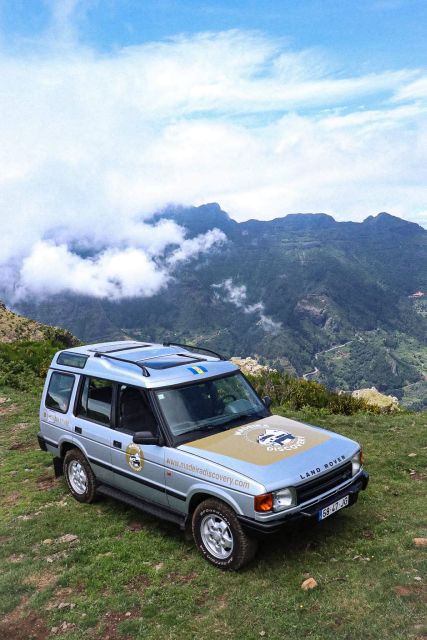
x=117, y=444
x=78, y=429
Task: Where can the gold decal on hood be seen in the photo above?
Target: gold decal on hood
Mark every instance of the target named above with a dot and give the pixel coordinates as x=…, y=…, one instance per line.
x=263, y=442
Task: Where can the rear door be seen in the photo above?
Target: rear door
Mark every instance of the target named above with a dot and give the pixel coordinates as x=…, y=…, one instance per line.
x=92, y=430
x=55, y=423
x=137, y=469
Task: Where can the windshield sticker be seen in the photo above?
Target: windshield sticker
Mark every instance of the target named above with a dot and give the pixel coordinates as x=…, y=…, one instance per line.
x=196, y=370
x=263, y=442
x=134, y=457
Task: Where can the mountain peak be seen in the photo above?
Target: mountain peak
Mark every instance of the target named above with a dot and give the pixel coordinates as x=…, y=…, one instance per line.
x=199, y=219
x=387, y=220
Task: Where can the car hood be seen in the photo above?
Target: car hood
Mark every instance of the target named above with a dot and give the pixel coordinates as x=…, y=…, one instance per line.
x=275, y=451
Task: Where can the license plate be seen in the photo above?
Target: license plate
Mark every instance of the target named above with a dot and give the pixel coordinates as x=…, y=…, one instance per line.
x=332, y=508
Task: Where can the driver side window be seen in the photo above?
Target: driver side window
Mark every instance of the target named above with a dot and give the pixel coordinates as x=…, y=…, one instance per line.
x=134, y=411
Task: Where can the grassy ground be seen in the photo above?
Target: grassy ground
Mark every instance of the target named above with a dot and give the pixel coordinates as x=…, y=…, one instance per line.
x=121, y=574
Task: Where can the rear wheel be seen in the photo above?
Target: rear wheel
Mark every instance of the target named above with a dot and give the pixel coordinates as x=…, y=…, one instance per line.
x=79, y=476
x=220, y=537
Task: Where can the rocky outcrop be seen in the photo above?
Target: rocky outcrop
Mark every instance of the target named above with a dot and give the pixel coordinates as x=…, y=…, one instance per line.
x=373, y=397
x=14, y=327
x=251, y=366
x=311, y=312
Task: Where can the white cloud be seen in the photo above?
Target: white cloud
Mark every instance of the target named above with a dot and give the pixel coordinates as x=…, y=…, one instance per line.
x=114, y=273
x=237, y=295
x=193, y=247
x=92, y=144
x=52, y=268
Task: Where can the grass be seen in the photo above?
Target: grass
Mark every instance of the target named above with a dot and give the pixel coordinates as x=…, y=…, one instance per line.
x=127, y=575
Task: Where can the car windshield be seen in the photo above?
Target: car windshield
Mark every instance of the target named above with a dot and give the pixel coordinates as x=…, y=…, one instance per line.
x=209, y=405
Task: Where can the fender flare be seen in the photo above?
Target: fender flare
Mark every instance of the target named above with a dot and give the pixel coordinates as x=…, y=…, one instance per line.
x=212, y=492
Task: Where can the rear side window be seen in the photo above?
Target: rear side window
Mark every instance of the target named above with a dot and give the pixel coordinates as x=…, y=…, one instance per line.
x=59, y=391
x=72, y=360
x=95, y=400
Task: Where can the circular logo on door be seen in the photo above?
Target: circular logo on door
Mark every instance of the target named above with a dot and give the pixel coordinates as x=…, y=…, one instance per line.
x=134, y=457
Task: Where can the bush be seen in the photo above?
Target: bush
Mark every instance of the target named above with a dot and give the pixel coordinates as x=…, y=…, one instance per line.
x=284, y=390
x=24, y=364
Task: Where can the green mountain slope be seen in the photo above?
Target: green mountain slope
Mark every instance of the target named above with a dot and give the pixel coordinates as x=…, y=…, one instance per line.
x=285, y=290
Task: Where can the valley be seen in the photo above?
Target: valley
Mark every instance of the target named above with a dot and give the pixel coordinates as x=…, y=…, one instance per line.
x=309, y=295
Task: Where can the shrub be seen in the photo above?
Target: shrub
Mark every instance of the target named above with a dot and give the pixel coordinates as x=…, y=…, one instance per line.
x=295, y=393
x=24, y=364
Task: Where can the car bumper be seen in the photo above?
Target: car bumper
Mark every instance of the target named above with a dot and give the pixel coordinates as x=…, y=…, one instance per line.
x=258, y=528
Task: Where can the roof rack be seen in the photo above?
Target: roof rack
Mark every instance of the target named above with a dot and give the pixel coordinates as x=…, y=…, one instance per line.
x=140, y=345
x=145, y=371
x=192, y=347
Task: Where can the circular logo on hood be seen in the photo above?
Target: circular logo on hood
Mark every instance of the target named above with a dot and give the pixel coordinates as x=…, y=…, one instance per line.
x=271, y=439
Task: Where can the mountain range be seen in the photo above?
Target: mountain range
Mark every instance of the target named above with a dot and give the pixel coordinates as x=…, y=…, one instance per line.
x=319, y=298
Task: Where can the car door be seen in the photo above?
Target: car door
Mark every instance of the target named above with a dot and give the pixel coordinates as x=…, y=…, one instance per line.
x=92, y=424
x=138, y=469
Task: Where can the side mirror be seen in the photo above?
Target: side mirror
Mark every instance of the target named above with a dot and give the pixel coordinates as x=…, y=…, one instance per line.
x=267, y=401
x=147, y=437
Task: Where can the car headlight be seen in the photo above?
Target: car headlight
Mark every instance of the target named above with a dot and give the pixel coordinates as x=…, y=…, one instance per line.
x=284, y=499
x=356, y=462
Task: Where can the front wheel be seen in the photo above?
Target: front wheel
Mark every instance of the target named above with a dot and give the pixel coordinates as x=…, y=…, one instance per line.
x=79, y=476
x=220, y=537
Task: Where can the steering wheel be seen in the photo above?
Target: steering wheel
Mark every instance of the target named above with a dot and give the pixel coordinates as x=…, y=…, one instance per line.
x=229, y=397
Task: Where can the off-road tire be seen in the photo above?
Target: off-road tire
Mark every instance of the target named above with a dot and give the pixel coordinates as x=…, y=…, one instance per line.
x=244, y=547
x=76, y=457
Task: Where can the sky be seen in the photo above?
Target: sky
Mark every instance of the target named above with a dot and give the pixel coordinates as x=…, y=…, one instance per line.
x=112, y=110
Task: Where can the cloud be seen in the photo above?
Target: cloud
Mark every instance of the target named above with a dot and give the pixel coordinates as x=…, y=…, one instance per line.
x=113, y=273
x=51, y=268
x=93, y=144
x=237, y=295
x=193, y=247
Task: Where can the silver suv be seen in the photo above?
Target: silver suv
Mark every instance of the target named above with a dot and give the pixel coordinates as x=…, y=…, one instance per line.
x=179, y=432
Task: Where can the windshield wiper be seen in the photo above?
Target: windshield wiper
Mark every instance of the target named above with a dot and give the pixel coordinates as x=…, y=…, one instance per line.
x=242, y=416
x=208, y=427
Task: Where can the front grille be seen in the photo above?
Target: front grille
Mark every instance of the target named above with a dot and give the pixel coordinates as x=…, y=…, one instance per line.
x=327, y=482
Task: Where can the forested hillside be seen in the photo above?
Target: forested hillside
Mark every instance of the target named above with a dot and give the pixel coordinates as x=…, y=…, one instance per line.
x=286, y=290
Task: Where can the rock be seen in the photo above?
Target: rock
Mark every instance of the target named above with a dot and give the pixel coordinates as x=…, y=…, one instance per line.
x=56, y=556
x=47, y=541
x=310, y=583
x=411, y=455
x=374, y=398
x=420, y=542
x=66, y=605
x=68, y=538
x=16, y=557
x=251, y=366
